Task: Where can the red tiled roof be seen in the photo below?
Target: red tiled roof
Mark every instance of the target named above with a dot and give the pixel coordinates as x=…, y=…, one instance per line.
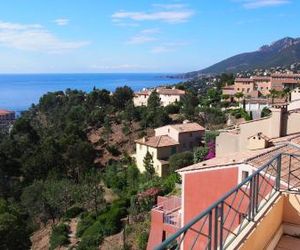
x=158, y=141
x=188, y=127
x=5, y=112
x=243, y=80
x=164, y=91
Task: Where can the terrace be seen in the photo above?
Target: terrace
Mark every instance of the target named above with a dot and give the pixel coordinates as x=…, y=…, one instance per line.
x=262, y=212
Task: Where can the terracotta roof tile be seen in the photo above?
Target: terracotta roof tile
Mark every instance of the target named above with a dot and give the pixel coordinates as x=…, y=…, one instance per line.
x=5, y=112
x=187, y=127
x=158, y=141
x=164, y=91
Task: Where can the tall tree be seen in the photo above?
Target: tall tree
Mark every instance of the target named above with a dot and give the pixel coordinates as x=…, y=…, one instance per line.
x=148, y=164
x=153, y=101
x=121, y=96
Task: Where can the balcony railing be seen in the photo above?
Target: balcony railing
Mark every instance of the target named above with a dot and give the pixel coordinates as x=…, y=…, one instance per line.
x=220, y=224
x=171, y=208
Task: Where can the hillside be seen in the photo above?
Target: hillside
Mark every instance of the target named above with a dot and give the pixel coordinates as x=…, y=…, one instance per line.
x=280, y=53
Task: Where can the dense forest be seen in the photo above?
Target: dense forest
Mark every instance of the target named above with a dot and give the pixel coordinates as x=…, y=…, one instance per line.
x=49, y=173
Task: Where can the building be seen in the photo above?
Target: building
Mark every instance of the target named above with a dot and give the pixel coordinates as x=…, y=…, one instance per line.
x=168, y=140
x=246, y=200
x=282, y=122
x=6, y=119
x=257, y=86
x=167, y=96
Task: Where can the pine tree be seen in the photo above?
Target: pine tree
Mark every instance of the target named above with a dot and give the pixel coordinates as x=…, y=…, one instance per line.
x=148, y=164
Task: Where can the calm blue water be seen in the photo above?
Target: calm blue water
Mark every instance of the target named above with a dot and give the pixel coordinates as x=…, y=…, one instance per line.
x=18, y=92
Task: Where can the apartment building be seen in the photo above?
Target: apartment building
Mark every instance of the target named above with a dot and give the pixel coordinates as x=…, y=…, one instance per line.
x=168, y=140
x=246, y=200
x=256, y=86
x=167, y=96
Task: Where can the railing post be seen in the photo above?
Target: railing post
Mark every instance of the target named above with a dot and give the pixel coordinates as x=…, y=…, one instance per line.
x=216, y=227
x=278, y=172
x=256, y=193
x=221, y=225
x=209, y=230
x=289, y=176
x=250, y=212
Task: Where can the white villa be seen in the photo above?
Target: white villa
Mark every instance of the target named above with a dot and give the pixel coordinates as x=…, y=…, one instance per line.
x=167, y=96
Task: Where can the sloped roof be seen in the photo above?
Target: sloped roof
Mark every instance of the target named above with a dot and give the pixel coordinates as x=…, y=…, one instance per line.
x=165, y=91
x=158, y=141
x=231, y=159
x=289, y=144
x=187, y=127
x=5, y=112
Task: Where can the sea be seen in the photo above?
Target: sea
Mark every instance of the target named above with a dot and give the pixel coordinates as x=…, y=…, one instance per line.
x=19, y=91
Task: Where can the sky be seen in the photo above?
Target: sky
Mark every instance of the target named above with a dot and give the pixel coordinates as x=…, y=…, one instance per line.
x=115, y=36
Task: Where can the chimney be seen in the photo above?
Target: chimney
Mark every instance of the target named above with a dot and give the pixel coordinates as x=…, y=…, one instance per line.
x=144, y=139
x=186, y=122
x=275, y=125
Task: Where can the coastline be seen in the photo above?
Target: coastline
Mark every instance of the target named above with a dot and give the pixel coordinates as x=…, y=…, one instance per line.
x=19, y=91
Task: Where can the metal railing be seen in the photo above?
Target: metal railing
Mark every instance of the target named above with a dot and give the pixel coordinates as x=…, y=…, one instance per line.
x=220, y=224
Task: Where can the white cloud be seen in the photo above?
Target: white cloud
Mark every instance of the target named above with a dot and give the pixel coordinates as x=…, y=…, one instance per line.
x=34, y=37
x=145, y=36
x=255, y=4
x=170, y=6
x=167, y=47
x=169, y=13
x=61, y=21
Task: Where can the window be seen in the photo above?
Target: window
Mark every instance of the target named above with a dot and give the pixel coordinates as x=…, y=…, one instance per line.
x=245, y=175
x=173, y=150
x=168, y=130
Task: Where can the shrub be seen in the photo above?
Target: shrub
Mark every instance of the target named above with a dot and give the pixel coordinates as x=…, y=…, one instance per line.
x=73, y=212
x=210, y=136
x=59, y=236
x=170, y=182
x=200, y=153
x=180, y=160
x=142, y=240
x=85, y=223
x=113, y=149
x=265, y=112
x=90, y=242
x=172, y=108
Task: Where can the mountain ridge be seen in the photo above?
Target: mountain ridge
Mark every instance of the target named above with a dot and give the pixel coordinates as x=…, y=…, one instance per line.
x=285, y=51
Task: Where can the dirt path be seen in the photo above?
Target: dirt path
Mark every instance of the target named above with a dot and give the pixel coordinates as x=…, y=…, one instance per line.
x=73, y=229
x=40, y=239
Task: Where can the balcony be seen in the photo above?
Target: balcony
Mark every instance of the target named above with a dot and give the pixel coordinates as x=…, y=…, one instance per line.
x=171, y=208
x=262, y=212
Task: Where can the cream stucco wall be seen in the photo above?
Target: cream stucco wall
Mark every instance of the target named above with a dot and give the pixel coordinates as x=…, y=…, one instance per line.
x=293, y=123
x=169, y=99
x=256, y=142
x=272, y=127
x=140, y=100
x=158, y=154
x=285, y=210
x=295, y=94
x=165, y=100
x=167, y=130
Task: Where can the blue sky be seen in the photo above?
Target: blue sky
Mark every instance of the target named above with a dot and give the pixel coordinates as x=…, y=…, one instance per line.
x=60, y=36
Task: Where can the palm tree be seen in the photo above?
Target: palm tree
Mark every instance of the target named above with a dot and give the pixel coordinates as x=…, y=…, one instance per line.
x=239, y=95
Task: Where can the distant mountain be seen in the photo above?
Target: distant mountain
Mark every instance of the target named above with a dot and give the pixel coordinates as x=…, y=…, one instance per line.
x=280, y=53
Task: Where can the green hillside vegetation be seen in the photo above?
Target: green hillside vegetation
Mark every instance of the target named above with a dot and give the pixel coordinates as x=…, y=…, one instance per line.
x=48, y=171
